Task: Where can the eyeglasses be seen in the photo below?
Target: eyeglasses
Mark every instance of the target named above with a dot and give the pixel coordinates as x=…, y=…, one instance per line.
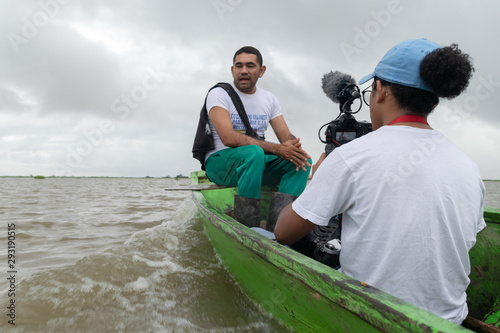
x=366, y=95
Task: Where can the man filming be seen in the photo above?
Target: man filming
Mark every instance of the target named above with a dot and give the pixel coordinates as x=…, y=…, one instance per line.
x=412, y=202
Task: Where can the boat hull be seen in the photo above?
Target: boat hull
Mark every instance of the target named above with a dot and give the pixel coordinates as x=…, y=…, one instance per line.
x=304, y=294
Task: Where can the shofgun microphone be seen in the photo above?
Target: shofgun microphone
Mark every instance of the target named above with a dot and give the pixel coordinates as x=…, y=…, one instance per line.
x=340, y=88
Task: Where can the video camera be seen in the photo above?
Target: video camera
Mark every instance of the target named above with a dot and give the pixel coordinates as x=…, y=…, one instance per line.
x=341, y=88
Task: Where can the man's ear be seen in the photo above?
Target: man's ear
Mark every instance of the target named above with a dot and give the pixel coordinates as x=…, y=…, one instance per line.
x=262, y=70
x=381, y=91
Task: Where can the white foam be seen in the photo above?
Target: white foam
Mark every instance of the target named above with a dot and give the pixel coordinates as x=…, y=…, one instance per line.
x=139, y=285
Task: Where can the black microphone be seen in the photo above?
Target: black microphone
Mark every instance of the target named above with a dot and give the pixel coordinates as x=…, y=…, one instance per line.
x=340, y=87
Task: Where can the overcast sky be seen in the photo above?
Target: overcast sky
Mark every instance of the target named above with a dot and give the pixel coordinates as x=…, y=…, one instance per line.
x=114, y=88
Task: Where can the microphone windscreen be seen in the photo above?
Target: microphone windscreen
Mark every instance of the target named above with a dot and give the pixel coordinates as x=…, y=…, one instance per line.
x=334, y=82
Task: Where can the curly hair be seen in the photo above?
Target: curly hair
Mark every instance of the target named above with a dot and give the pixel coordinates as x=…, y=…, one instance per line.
x=446, y=70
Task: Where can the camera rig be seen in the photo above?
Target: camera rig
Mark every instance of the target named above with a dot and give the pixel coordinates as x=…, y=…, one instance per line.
x=345, y=127
x=323, y=242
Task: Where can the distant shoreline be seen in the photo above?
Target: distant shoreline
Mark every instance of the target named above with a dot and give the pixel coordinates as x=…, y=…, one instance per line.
x=77, y=177
x=146, y=177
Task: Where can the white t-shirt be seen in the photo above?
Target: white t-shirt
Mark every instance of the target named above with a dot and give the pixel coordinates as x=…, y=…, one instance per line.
x=412, y=204
x=261, y=107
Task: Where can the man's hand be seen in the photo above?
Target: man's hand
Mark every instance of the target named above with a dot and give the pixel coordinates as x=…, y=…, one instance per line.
x=292, y=151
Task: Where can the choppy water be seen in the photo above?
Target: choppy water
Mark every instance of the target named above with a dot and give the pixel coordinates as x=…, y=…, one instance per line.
x=115, y=255
x=118, y=255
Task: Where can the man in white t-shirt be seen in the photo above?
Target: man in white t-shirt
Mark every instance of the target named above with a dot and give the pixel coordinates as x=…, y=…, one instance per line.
x=412, y=202
x=246, y=162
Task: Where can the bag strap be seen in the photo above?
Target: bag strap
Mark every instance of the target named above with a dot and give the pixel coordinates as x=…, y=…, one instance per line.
x=239, y=106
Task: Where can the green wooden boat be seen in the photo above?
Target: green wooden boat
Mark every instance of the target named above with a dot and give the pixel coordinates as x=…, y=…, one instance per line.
x=308, y=296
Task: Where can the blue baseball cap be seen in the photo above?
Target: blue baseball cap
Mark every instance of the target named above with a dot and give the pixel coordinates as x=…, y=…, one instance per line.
x=401, y=64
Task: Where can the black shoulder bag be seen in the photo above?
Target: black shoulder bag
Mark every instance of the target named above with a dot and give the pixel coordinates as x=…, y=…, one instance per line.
x=204, y=141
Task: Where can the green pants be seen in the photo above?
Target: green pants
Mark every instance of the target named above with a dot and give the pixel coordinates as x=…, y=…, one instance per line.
x=248, y=167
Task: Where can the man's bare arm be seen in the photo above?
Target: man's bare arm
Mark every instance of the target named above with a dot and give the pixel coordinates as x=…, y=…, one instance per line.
x=290, y=227
x=285, y=136
x=281, y=129
x=289, y=150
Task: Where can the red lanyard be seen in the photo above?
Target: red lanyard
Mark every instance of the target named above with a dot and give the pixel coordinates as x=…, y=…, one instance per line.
x=410, y=119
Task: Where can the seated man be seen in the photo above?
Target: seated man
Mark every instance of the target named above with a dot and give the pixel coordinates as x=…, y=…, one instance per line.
x=246, y=162
x=412, y=202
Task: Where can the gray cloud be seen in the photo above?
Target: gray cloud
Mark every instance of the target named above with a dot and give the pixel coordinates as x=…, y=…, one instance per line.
x=119, y=84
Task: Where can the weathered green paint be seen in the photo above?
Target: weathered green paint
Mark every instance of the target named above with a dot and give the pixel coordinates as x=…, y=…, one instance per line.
x=484, y=291
x=492, y=215
x=276, y=291
x=306, y=295
x=493, y=317
x=484, y=288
